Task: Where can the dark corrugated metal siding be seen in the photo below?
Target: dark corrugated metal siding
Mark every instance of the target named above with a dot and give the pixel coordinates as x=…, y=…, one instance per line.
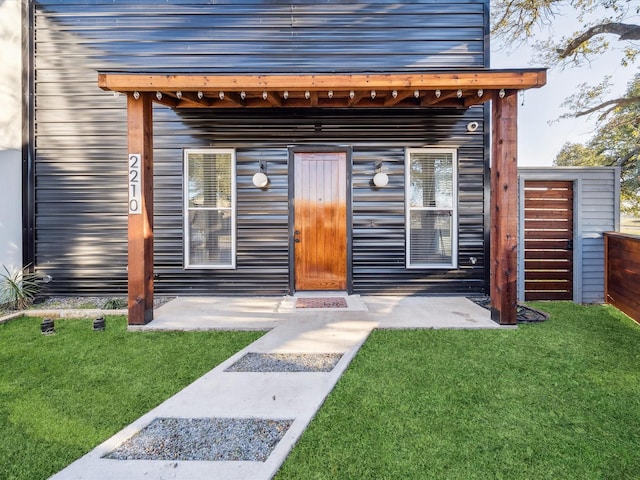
x=266, y=36
x=81, y=145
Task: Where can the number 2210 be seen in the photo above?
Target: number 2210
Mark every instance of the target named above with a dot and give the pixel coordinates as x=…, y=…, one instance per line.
x=135, y=197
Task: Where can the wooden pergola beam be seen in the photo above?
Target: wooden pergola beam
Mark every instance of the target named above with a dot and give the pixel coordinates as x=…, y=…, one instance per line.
x=432, y=99
x=273, y=98
x=235, y=98
x=355, y=99
x=442, y=90
x=193, y=98
x=475, y=98
x=313, y=99
x=485, y=79
x=390, y=101
x=166, y=100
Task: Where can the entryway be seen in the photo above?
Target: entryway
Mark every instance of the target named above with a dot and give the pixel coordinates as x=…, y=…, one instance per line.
x=548, y=240
x=320, y=221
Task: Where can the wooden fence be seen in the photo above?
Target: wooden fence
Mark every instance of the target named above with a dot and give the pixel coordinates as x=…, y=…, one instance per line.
x=622, y=273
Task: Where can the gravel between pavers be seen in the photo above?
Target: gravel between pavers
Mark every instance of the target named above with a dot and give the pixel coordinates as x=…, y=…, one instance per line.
x=208, y=439
x=286, y=362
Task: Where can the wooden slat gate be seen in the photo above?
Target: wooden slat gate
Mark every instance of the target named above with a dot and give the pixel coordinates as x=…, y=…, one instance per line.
x=548, y=240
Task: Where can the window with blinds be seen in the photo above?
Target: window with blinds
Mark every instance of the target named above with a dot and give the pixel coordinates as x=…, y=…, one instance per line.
x=431, y=200
x=210, y=205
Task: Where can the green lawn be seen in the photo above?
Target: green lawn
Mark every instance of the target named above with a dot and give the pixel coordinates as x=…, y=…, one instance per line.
x=554, y=400
x=62, y=395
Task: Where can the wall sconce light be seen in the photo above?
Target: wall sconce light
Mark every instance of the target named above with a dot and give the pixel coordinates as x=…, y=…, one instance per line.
x=47, y=327
x=472, y=126
x=260, y=178
x=380, y=179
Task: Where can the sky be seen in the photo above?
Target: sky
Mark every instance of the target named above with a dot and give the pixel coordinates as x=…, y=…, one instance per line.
x=540, y=138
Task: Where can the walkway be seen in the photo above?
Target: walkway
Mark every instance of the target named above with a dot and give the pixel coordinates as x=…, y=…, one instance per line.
x=291, y=397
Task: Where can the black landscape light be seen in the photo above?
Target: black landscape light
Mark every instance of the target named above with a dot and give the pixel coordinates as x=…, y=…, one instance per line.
x=47, y=327
x=99, y=324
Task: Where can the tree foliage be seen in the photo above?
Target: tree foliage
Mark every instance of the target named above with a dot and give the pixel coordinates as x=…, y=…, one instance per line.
x=608, y=27
x=617, y=143
x=604, y=27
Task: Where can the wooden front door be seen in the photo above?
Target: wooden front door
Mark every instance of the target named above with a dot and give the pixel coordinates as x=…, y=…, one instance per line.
x=548, y=240
x=320, y=221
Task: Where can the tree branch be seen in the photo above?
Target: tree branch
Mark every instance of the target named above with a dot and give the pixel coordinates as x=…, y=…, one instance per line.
x=618, y=102
x=625, y=31
x=628, y=156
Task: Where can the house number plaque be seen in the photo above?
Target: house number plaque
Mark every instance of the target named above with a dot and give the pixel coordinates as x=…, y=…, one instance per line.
x=135, y=191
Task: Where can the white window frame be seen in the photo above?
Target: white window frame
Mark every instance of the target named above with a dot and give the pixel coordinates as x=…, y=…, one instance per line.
x=187, y=208
x=454, y=209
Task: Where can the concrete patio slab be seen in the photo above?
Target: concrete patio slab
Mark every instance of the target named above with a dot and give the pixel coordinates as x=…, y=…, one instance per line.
x=264, y=313
x=267, y=395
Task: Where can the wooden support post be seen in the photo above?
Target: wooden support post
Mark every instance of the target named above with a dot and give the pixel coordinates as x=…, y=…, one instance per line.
x=140, y=269
x=504, y=209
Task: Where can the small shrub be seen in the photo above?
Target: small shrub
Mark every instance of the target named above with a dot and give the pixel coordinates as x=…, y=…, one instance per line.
x=115, y=304
x=18, y=288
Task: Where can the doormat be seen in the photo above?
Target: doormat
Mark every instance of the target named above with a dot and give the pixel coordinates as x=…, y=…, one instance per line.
x=321, y=302
x=286, y=362
x=208, y=439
